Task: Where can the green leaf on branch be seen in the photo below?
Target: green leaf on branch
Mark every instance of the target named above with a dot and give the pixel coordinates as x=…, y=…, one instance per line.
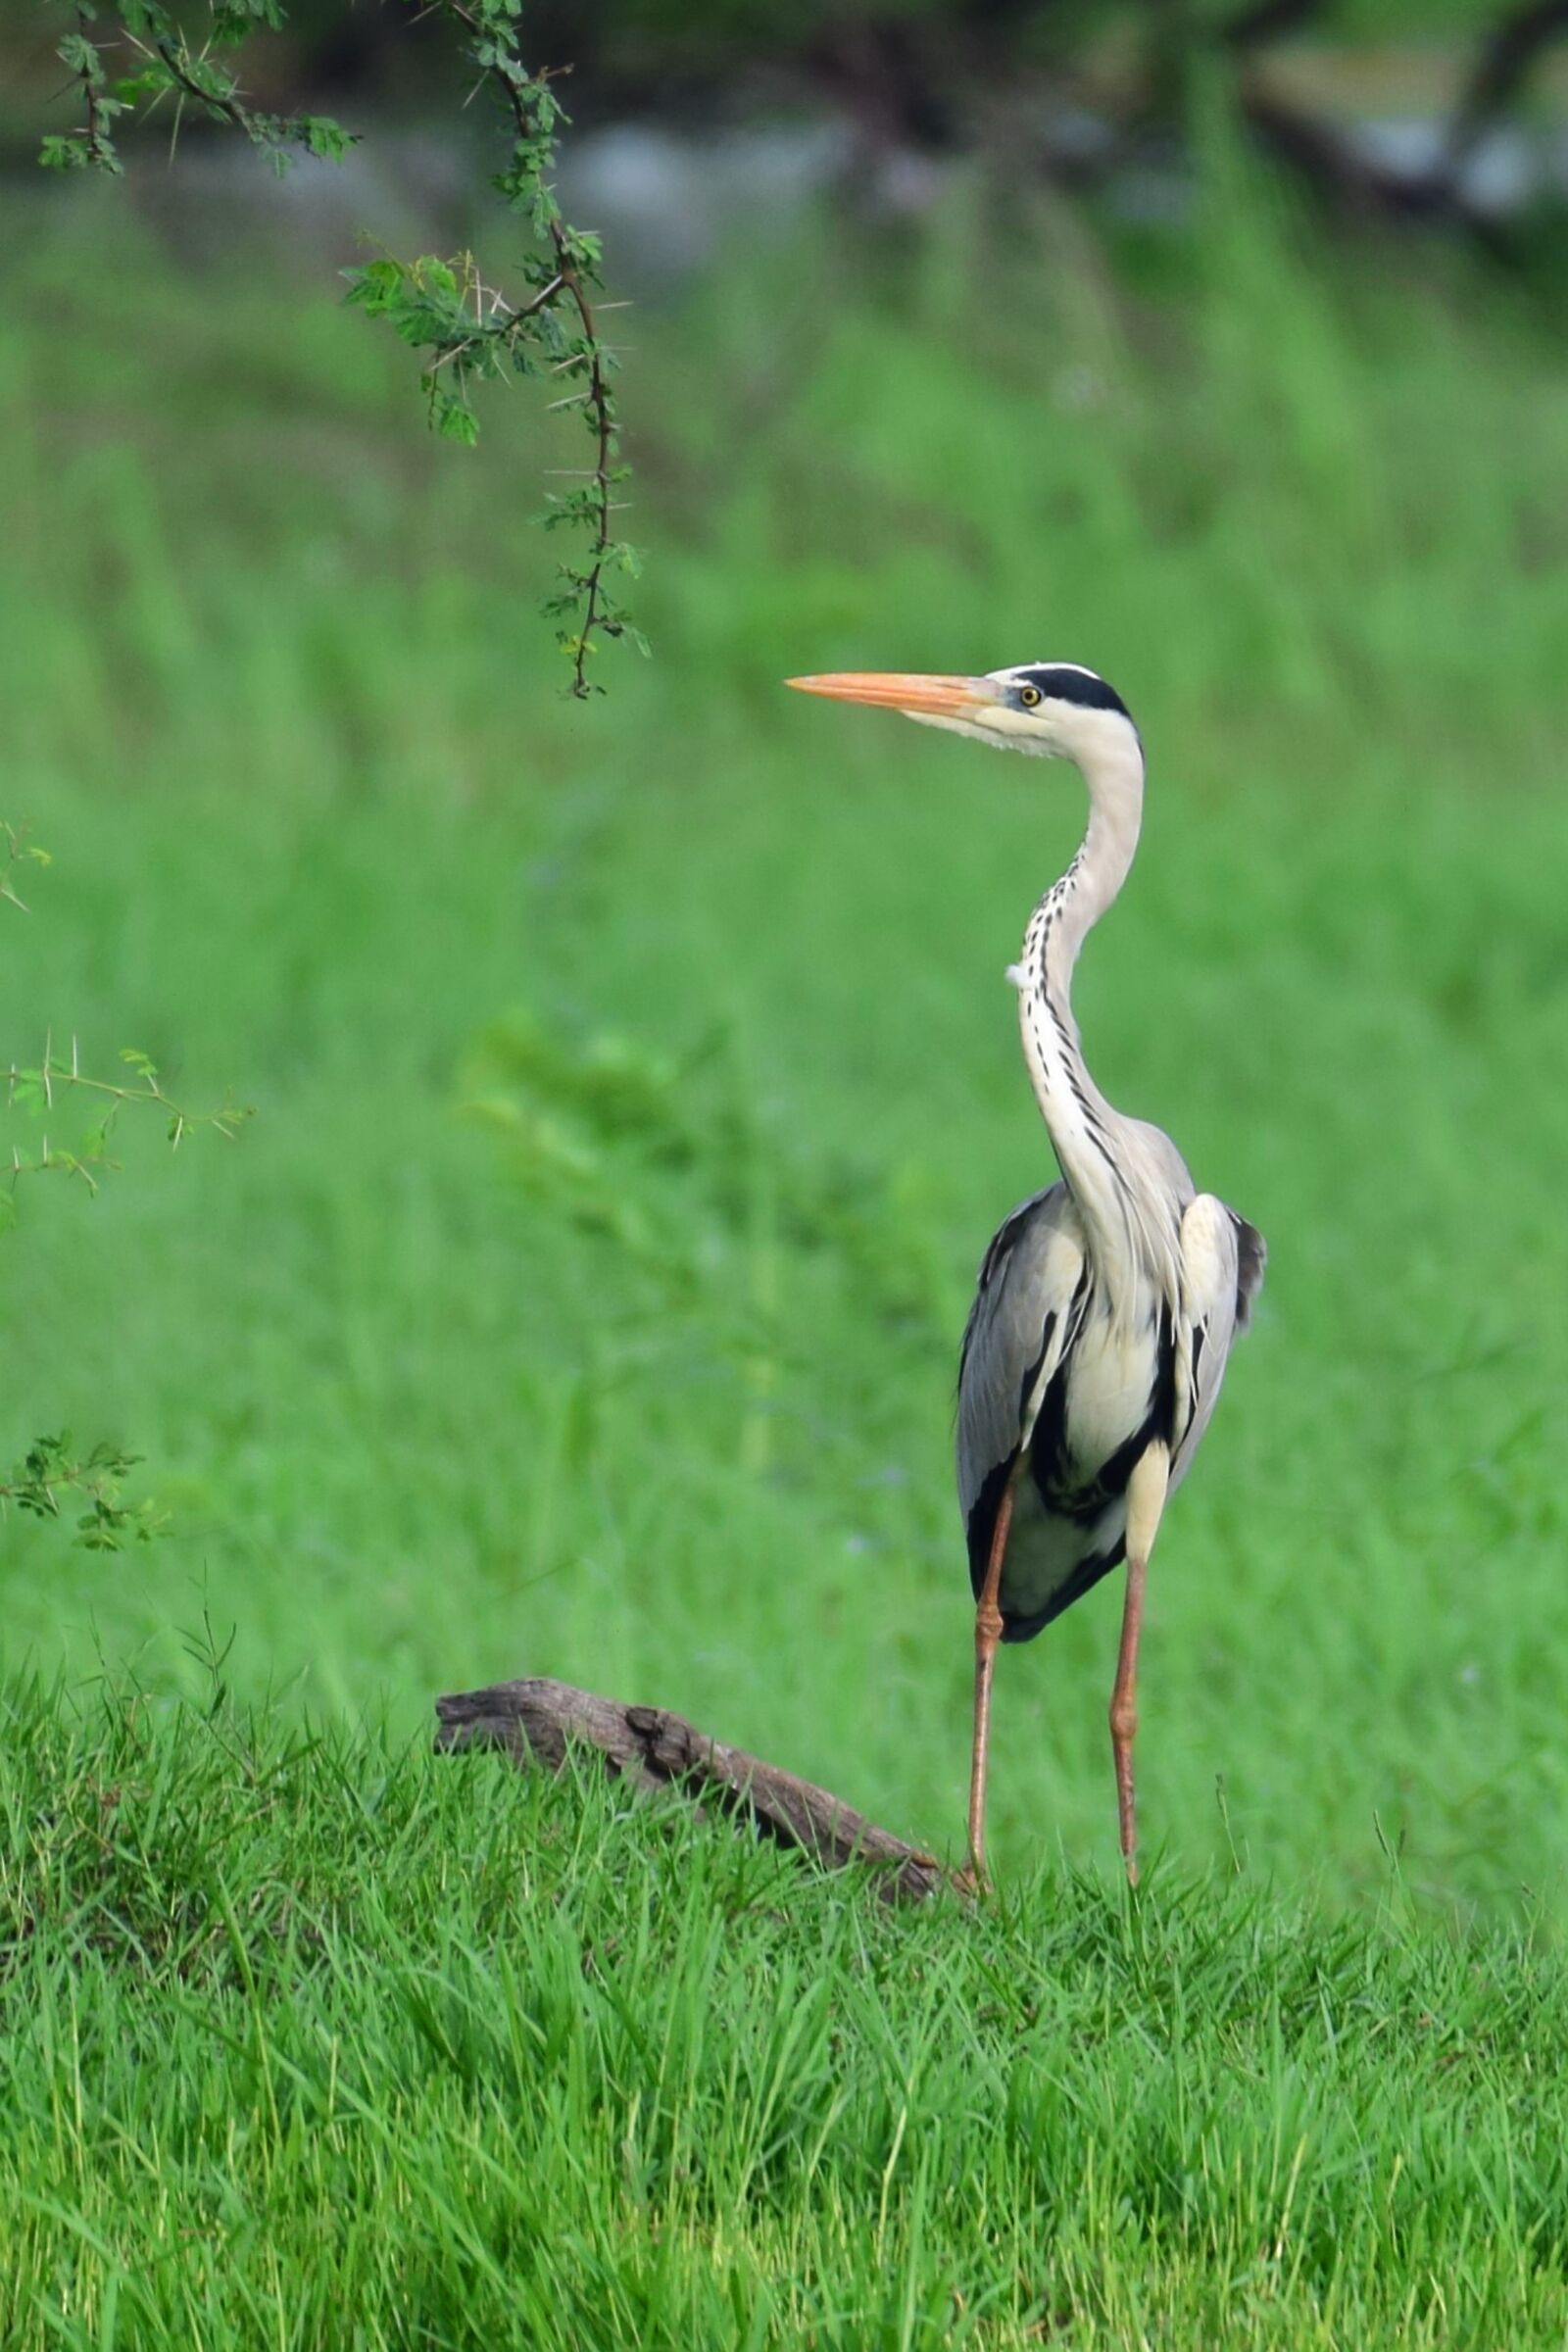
x=453, y=418
x=50, y=1476
x=320, y=137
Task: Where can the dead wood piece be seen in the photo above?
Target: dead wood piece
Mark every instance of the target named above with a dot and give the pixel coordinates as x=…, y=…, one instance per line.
x=653, y=1748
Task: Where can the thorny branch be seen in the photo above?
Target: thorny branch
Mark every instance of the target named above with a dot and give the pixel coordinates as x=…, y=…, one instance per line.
x=170, y=68
x=100, y=106
x=427, y=302
x=602, y=420
x=16, y=851
x=535, y=112
x=52, y=1470
x=39, y=1090
x=217, y=93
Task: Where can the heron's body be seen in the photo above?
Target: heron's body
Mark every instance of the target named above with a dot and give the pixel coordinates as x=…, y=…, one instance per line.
x=1106, y=1304
x=1093, y=1391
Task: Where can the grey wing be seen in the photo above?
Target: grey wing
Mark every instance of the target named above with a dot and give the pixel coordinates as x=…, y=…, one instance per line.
x=1222, y=1272
x=1252, y=1257
x=1030, y=1294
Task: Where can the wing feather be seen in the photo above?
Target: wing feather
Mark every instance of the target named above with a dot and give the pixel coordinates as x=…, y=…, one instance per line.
x=1222, y=1271
x=1021, y=1322
x=1252, y=1257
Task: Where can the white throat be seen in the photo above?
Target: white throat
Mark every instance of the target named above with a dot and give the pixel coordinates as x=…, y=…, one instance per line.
x=1083, y=1127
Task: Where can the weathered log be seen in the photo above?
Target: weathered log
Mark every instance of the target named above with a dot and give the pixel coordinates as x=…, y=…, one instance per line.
x=652, y=1749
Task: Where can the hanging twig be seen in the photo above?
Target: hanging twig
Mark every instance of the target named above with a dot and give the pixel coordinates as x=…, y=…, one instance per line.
x=535, y=113
x=442, y=309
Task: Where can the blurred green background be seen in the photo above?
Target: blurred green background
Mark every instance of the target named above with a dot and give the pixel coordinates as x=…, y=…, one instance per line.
x=637, y=1084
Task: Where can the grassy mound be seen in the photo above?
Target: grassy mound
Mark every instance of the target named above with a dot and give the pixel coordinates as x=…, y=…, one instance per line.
x=319, y=2039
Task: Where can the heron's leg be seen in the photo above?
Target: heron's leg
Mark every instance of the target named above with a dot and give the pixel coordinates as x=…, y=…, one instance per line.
x=1145, y=1499
x=987, y=1634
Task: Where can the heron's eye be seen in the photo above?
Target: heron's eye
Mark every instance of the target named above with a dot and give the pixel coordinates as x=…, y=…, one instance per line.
x=1030, y=696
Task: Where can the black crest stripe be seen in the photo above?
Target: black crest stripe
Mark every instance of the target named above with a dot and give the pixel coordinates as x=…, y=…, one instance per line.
x=1067, y=685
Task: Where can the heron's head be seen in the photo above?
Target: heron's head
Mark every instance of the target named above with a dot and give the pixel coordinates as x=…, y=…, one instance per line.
x=1056, y=708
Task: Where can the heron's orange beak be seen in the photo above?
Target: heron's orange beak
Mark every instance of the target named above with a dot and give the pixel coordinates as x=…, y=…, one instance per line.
x=896, y=690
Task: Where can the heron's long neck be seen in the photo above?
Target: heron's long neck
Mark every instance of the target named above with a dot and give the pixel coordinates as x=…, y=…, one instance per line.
x=1082, y=1124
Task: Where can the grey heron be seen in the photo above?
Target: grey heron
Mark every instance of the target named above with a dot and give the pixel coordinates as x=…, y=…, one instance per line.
x=1108, y=1303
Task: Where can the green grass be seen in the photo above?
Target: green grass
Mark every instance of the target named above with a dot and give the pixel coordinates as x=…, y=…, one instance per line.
x=324, y=2041
x=636, y=1089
